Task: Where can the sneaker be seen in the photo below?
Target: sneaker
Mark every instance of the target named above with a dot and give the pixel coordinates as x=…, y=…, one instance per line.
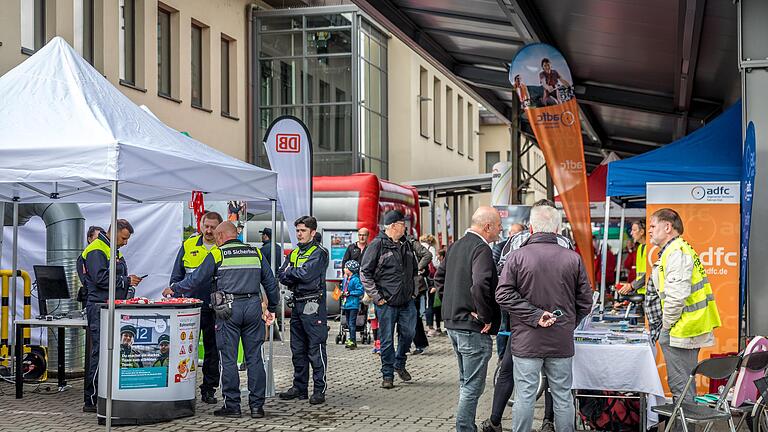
x=547, y=426
x=403, y=374
x=488, y=426
x=432, y=333
x=418, y=351
x=375, y=350
x=292, y=393
x=89, y=408
x=257, y=412
x=387, y=383
x=208, y=397
x=317, y=399
x=225, y=411
x=350, y=345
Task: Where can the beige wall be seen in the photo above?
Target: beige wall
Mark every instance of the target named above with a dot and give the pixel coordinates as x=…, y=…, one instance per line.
x=221, y=16
x=413, y=156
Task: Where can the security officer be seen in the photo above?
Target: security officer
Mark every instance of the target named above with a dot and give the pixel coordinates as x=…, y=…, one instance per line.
x=304, y=275
x=689, y=312
x=95, y=277
x=236, y=271
x=191, y=254
x=164, y=343
x=129, y=358
x=641, y=259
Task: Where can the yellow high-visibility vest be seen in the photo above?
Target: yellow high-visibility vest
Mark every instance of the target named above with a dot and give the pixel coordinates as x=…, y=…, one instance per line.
x=700, y=314
x=195, y=252
x=641, y=260
x=297, y=259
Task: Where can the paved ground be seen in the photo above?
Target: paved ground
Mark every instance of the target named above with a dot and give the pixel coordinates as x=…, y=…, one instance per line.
x=355, y=400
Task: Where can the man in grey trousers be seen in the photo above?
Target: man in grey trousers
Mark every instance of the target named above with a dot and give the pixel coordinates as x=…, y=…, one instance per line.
x=545, y=290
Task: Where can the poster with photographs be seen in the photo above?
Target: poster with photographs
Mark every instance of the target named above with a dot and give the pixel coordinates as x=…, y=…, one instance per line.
x=144, y=351
x=337, y=242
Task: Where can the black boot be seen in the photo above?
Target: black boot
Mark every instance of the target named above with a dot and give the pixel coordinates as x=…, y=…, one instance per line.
x=226, y=411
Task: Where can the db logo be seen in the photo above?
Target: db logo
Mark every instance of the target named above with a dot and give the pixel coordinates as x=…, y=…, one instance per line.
x=288, y=143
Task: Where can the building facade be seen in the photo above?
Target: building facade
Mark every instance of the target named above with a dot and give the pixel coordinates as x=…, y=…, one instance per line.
x=186, y=60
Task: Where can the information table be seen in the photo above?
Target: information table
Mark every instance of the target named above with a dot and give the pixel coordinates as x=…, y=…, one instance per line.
x=619, y=367
x=154, y=368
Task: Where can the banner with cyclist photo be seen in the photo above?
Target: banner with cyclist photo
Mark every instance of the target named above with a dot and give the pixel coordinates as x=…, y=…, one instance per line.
x=542, y=81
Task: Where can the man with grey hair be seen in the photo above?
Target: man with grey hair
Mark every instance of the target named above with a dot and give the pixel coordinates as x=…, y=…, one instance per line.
x=545, y=289
x=466, y=280
x=387, y=272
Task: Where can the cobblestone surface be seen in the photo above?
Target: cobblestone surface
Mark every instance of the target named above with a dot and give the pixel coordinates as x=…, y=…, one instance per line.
x=355, y=400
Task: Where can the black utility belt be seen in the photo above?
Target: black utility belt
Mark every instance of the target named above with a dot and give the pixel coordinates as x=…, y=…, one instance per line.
x=243, y=296
x=307, y=298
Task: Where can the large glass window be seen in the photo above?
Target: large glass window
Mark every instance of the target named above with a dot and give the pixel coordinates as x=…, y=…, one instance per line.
x=437, y=121
x=84, y=28
x=491, y=159
x=314, y=67
x=225, y=87
x=423, y=103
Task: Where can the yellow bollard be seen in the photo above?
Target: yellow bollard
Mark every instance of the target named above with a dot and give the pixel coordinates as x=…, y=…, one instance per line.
x=5, y=313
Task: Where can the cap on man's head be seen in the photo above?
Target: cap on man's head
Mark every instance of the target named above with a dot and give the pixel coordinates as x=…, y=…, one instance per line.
x=164, y=339
x=393, y=216
x=128, y=329
x=267, y=232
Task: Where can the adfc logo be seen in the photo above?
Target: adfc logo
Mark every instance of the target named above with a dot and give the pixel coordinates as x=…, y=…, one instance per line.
x=288, y=143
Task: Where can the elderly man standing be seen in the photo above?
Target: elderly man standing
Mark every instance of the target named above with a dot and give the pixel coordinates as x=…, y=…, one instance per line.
x=467, y=280
x=387, y=272
x=688, y=309
x=545, y=290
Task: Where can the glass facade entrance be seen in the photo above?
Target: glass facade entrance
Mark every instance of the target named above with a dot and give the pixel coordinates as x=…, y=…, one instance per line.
x=328, y=67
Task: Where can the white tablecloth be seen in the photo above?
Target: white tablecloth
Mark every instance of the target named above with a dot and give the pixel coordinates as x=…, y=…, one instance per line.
x=619, y=368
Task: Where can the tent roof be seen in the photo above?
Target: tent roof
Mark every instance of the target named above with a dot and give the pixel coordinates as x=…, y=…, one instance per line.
x=66, y=132
x=712, y=153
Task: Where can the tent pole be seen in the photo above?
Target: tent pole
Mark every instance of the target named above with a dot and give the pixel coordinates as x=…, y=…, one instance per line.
x=270, y=391
x=621, y=242
x=604, y=254
x=111, y=304
x=14, y=271
x=282, y=294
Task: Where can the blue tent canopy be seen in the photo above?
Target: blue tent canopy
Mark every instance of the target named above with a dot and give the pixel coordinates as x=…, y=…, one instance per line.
x=712, y=153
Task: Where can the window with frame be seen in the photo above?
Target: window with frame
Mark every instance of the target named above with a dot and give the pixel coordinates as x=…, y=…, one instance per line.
x=164, y=76
x=128, y=41
x=470, y=132
x=449, y=118
x=197, y=66
x=491, y=159
x=460, y=123
x=225, y=76
x=437, y=106
x=423, y=103
x=32, y=25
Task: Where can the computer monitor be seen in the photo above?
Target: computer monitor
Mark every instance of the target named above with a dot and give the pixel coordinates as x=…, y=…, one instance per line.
x=51, y=285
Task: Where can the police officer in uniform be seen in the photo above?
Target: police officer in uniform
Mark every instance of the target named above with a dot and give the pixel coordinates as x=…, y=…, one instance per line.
x=236, y=270
x=192, y=253
x=304, y=275
x=128, y=356
x=94, y=263
x=164, y=343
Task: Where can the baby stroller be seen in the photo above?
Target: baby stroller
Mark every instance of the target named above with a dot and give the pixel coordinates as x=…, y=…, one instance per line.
x=362, y=326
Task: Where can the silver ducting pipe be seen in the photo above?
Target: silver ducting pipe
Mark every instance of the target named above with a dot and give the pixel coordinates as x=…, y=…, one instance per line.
x=65, y=234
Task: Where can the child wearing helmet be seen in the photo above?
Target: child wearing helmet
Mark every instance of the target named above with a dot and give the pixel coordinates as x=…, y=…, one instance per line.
x=352, y=293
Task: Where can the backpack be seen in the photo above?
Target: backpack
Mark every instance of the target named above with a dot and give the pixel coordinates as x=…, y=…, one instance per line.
x=609, y=414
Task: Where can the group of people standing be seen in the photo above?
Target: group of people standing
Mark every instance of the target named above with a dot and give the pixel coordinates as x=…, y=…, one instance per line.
x=228, y=276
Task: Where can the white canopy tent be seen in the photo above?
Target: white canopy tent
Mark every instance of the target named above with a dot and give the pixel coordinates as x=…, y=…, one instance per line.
x=68, y=135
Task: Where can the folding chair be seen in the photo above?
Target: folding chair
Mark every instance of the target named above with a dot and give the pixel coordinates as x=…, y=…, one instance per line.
x=754, y=362
x=714, y=368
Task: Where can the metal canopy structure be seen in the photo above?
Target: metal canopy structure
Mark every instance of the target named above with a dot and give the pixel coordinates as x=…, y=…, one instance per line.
x=645, y=73
x=453, y=186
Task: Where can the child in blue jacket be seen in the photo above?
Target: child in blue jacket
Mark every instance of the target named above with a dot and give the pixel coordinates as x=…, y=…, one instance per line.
x=352, y=293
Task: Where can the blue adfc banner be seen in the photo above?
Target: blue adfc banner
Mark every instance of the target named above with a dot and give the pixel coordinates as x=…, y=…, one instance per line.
x=747, y=192
x=289, y=148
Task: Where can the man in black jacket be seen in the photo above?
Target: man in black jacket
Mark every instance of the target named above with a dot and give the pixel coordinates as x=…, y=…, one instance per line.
x=355, y=251
x=467, y=279
x=387, y=272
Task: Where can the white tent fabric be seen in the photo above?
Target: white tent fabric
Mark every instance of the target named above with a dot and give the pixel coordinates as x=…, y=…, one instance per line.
x=65, y=132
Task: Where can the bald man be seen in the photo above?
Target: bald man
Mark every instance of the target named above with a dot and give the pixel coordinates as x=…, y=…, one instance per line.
x=238, y=271
x=467, y=281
